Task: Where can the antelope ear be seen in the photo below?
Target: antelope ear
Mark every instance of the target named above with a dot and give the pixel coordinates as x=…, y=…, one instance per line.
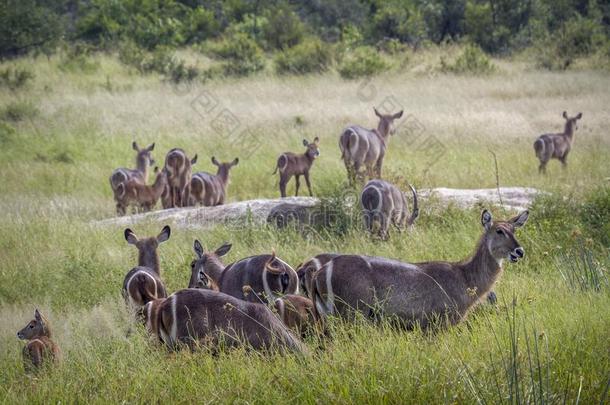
x=165, y=234
x=520, y=219
x=305, y=142
x=214, y=161
x=198, y=249
x=151, y=147
x=194, y=159
x=377, y=113
x=235, y=162
x=579, y=116
x=130, y=237
x=316, y=140
x=398, y=114
x=486, y=219
x=565, y=115
x=134, y=145
x=223, y=250
x=37, y=315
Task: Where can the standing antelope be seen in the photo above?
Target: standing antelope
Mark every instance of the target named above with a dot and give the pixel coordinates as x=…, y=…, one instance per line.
x=290, y=164
x=549, y=146
x=267, y=276
x=366, y=147
x=384, y=202
x=145, y=197
x=419, y=293
x=143, y=283
x=178, y=168
x=40, y=348
x=195, y=317
x=140, y=173
x=208, y=189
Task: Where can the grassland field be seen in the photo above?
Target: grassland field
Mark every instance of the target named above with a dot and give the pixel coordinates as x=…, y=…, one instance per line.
x=544, y=342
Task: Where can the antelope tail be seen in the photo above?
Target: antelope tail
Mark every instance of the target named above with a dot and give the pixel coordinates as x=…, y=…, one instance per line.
x=415, y=212
x=539, y=147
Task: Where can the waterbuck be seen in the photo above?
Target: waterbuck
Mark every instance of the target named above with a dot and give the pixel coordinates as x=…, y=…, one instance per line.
x=366, y=147
x=179, y=168
x=306, y=270
x=143, y=283
x=291, y=164
x=296, y=312
x=140, y=173
x=419, y=293
x=208, y=189
x=385, y=203
x=267, y=276
x=143, y=196
x=201, y=317
x=557, y=146
x=40, y=348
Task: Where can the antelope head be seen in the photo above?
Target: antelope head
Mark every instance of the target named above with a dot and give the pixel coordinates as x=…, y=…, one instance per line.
x=313, y=148
x=207, y=267
x=385, y=122
x=500, y=236
x=38, y=326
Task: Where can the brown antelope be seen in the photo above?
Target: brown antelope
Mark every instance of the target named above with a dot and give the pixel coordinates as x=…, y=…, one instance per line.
x=140, y=173
x=296, y=312
x=40, y=348
x=179, y=168
x=267, y=275
x=418, y=293
x=201, y=317
x=366, y=147
x=557, y=146
x=384, y=202
x=143, y=196
x=208, y=189
x=291, y=164
x=143, y=283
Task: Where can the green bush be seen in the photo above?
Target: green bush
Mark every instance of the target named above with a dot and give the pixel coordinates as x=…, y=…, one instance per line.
x=363, y=61
x=308, y=57
x=241, y=53
x=16, y=78
x=595, y=215
x=77, y=58
x=283, y=28
x=471, y=61
x=18, y=111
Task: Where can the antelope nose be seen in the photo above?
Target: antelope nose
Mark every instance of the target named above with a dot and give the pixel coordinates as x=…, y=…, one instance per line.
x=519, y=251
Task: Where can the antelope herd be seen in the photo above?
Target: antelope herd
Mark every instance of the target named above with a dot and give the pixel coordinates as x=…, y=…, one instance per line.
x=261, y=301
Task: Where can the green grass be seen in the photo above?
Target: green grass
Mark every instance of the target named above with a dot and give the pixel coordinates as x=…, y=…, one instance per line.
x=545, y=342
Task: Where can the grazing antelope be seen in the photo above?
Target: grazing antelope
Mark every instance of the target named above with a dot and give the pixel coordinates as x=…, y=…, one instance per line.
x=145, y=197
x=384, y=202
x=290, y=164
x=366, y=147
x=179, y=169
x=195, y=317
x=296, y=312
x=419, y=293
x=143, y=283
x=140, y=173
x=208, y=189
x=40, y=348
x=267, y=275
x=557, y=146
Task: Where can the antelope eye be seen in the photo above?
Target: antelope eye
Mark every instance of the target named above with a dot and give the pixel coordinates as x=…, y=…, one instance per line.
x=499, y=231
x=31, y=326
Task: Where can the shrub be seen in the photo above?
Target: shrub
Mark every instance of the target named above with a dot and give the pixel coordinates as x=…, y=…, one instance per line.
x=283, y=28
x=77, y=58
x=363, y=61
x=471, y=61
x=15, y=78
x=243, y=56
x=18, y=111
x=307, y=57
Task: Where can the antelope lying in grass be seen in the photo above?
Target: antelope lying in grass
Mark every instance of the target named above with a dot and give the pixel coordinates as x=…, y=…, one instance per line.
x=140, y=173
x=290, y=164
x=306, y=270
x=179, y=169
x=366, y=147
x=556, y=146
x=208, y=189
x=419, y=293
x=296, y=312
x=143, y=283
x=143, y=196
x=195, y=317
x=384, y=202
x=267, y=276
x=40, y=348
